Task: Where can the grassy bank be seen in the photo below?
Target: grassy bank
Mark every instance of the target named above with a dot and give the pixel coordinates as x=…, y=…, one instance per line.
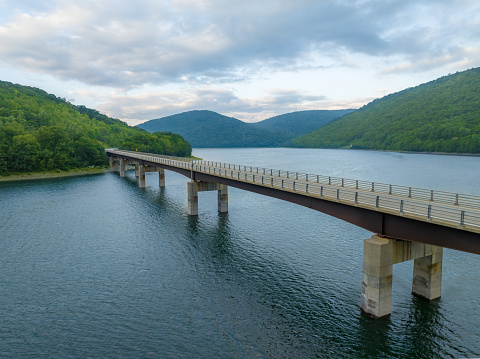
x=53, y=174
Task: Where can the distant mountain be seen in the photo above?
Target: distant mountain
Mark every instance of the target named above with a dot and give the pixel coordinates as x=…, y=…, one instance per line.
x=210, y=129
x=438, y=116
x=302, y=122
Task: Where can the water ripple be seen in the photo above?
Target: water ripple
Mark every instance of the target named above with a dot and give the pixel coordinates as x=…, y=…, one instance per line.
x=96, y=267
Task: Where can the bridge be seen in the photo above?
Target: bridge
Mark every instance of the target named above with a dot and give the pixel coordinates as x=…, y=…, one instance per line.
x=408, y=223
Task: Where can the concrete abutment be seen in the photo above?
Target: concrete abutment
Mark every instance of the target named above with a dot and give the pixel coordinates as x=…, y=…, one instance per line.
x=379, y=256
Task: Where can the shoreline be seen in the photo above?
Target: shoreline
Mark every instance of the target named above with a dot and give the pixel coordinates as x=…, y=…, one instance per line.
x=390, y=151
x=101, y=170
x=53, y=174
x=356, y=149
x=415, y=152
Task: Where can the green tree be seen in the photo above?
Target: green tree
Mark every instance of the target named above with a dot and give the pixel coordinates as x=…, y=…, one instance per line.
x=24, y=153
x=60, y=135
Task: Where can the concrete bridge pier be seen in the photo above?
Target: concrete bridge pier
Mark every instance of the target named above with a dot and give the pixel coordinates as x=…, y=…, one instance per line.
x=222, y=198
x=137, y=169
x=427, y=275
x=141, y=175
x=123, y=167
x=194, y=187
x=161, y=177
x=112, y=164
x=379, y=256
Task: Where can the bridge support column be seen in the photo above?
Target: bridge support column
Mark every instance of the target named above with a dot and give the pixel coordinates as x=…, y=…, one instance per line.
x=427, y=275
x=161, y=177
x=137, y=169
x=141, y=175
x=123, y=167
x=194, y=187
x=111, y=160
x=379, y=256
x=377, y=277
x=222, y=198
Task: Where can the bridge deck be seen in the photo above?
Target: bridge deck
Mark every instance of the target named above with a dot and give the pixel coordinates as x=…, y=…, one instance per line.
x=456, y=211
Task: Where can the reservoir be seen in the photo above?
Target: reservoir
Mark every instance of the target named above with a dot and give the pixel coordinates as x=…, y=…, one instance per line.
x=95, y=267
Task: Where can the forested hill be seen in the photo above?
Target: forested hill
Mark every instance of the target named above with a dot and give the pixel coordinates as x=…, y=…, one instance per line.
x=438, y=116
x=39, y=131
x=210, y=129
x=300, y=122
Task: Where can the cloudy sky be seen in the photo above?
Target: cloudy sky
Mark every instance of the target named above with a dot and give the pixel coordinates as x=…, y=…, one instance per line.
x=249, y=59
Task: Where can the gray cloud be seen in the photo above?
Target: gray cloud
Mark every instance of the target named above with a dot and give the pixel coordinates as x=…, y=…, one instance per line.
x=168, y=56
x=124, y=44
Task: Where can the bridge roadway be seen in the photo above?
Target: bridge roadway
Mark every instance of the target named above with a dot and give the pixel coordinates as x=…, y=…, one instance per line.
x=428, y=220
x=440, y=218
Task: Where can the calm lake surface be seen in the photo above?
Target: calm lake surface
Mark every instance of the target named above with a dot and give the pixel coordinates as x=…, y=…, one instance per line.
x=94, y=267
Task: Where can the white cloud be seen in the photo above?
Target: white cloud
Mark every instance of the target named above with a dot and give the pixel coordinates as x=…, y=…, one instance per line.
x=229, y=56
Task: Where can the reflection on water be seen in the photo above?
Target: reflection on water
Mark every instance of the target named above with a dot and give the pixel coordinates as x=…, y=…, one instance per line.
x=96, y=267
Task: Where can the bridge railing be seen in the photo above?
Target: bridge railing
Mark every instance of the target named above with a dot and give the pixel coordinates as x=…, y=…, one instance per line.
x=405, y=207
x=400, y=200
x=376, y=187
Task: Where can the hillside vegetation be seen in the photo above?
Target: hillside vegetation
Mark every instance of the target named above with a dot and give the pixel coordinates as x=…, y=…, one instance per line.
x=39, y=131
x=211, y=129
x=439, y=116
x=301, y=122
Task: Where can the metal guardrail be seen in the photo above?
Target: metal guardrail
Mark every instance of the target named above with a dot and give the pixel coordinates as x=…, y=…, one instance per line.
x=450, y=209
x=376, y=187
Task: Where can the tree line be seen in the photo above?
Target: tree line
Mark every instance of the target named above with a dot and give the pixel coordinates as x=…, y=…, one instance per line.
x=39, y=131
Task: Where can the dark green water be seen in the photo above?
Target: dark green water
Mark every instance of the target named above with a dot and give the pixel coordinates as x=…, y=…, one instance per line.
x=94, y=267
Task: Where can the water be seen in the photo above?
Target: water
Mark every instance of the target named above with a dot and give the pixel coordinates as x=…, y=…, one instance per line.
x=96, y=267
